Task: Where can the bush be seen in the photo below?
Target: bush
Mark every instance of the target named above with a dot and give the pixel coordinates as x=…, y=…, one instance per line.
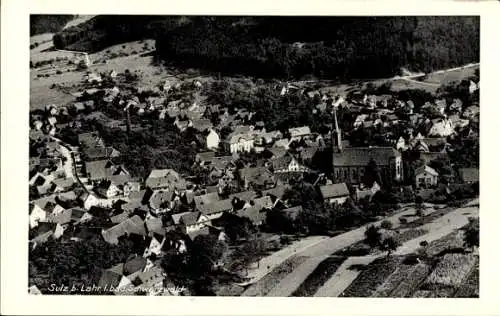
x=403, y=220
x=386, y=224
x=424, y=243
x=58, y=72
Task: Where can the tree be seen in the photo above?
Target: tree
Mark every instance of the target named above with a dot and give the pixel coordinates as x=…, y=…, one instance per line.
x=373, y=236
x=389, y=244
x=471, y=235
x=386, y=224
x=206, y=252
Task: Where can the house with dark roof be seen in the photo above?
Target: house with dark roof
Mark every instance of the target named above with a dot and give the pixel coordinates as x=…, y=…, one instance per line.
x=216, y=209
x=334, y=193
x=257, y=178
x=349, y=164
x=90, y=140
x=188, y=222
x=204, y=199
x=103, y=170
x=161, y=200
x=287, y=163
x=133, y=225
x=165, y=179
x=299, y=133
x=99, y=153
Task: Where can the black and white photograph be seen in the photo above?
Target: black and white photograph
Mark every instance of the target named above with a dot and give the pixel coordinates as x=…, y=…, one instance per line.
x=254, y=156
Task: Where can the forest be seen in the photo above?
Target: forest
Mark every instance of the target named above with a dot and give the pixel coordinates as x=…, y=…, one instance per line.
x=325, y=47
x=44, y=23
x=290, y=47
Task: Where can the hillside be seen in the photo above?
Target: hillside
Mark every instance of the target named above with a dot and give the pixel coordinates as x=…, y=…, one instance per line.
x=291, y=47
x=43, y=23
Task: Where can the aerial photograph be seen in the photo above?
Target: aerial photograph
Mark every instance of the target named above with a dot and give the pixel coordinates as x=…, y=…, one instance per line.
x=257, y=156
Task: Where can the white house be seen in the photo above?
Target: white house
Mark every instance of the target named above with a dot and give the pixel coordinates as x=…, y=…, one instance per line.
x=442, y=128
x=335, y=193
x=213, y=140
x=37, y=214
x=426, y=176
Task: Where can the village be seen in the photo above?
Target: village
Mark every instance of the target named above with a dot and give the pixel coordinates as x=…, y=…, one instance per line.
x=246, y=201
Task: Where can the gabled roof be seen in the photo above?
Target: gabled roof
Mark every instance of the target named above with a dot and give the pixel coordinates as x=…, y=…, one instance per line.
x=334, y=190
x=255, y=213
x=189, y=218
x=100, y=152
x=277, y=191
x=154, y=225
x=308, y=152
x=216, y=207
x=133, y=224
x=92, y=139
x=277, y=152
x=245, y=195
x=165, y=178
x=256, y=174
x=205, y=156
x=176, y=218
x=426, y=169
x=361, y=156
x=136, y=264
x=206, y=199
x=202, y=125
x=299, y=131
x=159, y=197
x=102, y=169
x=282, y=162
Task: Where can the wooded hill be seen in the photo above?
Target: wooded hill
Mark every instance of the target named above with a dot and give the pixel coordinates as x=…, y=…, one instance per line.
x=291, y=47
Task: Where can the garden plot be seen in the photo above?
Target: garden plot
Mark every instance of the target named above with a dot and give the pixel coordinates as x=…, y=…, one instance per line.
x=470, y=287
x=412, y=281
x=392, y=282
x=319, y=276
x=450, y=271
x=450, y=241
x=372, y=277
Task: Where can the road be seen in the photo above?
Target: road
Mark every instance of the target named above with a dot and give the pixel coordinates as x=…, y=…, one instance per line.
x=438, y=228
x=69, y=168
x=317, y=246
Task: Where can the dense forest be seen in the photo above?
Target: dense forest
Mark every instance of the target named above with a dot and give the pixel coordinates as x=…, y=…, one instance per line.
x=291, y=47
x=43, y=23
x=327, y=47
x=105, y=30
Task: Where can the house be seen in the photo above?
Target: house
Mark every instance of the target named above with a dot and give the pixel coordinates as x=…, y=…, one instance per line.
x=69, y=216
x=287, y=163
x=212, y=140
x=349, y=163
x=133, y=225
x=161, y=200
x=308, y=154
x=469, y=175
x=206, y=199
x=100, y=153
x=256, y=214
x=363, y=192
x=103, y=169
x=426, y=177
x=285, y=143
x=240, y=141
x=90, y=140
x=44, y=231
x=473, y=87
x=455, y=106
x=268, y=137
x=471, y=112
x=165, y=178
x=257, y=177
x=359, y=120
x=334, y=193
x=107, y=189
x=292, y=213
x=441, y=128
x=299, y=133
x=36, y=215
x=189, y=222
x=275, y=152
x=216, y=209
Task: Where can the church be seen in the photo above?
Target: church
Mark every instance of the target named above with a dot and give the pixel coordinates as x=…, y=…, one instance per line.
x=349, y=164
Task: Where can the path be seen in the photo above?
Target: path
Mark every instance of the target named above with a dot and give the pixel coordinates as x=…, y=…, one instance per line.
x=278, y=257
x=69, y=168
x=343, y=277
x=293, y=280
x=438, y=228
